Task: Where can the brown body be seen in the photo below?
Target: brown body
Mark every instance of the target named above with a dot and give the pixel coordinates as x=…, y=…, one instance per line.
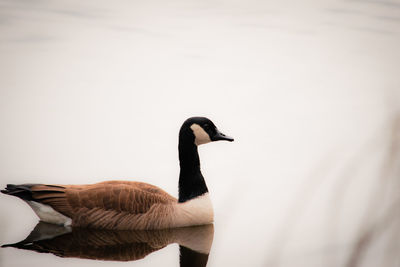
x=121, y=205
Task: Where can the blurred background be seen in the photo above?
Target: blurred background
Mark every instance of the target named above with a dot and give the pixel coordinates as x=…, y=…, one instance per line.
x=97, y=90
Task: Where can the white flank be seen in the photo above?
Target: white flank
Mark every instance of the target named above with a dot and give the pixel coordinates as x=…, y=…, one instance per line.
x=197, y=211
x=48, y=214
x=201, y=136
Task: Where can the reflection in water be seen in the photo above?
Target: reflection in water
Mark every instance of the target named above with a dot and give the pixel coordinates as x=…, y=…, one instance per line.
x=194, y=242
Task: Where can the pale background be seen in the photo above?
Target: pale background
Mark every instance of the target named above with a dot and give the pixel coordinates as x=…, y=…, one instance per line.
x=97, y=90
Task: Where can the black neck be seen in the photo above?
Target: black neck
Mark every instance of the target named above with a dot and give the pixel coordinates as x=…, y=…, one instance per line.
x=191, y=258
x=191, y=181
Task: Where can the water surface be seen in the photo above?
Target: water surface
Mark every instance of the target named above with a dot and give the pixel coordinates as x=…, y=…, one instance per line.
x=97, y=90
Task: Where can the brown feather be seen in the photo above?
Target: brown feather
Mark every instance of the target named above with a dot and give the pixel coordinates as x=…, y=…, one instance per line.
x=119, y=205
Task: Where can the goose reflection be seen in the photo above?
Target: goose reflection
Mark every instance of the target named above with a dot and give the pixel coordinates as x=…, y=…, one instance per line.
x=194, y=243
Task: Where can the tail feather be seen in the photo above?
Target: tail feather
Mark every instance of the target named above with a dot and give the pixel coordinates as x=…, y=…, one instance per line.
x=22, y=191
x=49, y=202
x=21, y=245
x=9, y=188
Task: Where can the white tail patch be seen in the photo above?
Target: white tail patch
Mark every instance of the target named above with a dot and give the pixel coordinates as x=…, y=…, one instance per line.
x=47, y=214
x=201, y=136
x=197, y=211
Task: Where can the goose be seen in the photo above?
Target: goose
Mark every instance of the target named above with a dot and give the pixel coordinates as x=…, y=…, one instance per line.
x=129, y=205
x=112, y=245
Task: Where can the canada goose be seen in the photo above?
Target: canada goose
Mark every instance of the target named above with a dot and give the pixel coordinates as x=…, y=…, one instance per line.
x=99, y=244
x=124, y=205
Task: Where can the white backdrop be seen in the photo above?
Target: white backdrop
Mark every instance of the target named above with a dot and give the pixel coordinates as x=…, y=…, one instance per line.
x=97, y=90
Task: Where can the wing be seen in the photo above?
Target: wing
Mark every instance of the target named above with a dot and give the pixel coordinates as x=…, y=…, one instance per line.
x=102, y=205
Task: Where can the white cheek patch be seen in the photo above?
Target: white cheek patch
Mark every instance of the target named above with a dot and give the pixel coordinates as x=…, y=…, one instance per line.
x=201, y=137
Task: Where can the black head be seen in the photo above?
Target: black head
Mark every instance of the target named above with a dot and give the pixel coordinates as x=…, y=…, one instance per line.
x=203, y=130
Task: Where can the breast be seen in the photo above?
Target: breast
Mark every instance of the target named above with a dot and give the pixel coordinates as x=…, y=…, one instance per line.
x=197, y=211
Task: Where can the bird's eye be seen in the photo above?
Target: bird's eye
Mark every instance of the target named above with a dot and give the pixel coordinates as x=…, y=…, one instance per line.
x=206, y=126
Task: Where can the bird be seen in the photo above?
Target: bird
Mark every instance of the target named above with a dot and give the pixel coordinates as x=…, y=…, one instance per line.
x=112, y=245
x=132, y=205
